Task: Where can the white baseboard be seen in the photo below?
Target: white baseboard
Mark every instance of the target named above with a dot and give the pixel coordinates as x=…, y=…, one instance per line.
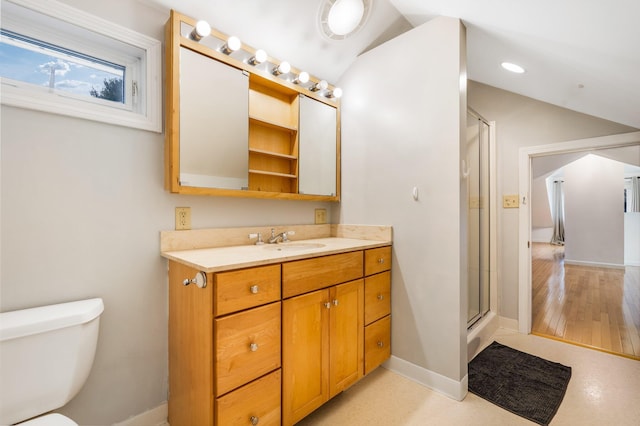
x=428, y=378
x=509, y=324
x=596, y=264
x=154, y=417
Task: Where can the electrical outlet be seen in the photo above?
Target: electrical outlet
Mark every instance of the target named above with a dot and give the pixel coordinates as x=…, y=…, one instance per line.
x=183, y=218
x=510, y=201
x=321, y=216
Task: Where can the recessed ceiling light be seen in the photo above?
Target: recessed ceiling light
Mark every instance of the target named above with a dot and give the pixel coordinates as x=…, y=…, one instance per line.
x=512, y=67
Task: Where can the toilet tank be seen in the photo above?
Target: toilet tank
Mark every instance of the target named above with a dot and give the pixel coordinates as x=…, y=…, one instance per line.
x=46, y=354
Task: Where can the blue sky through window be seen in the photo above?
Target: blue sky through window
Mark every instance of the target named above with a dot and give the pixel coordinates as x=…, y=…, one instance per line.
x=31, y=61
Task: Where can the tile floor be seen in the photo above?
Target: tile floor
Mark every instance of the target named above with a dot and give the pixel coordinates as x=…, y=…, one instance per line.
x=604, y=390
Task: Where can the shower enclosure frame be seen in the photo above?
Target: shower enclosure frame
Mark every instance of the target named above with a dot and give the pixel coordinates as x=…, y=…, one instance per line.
x=487, y=280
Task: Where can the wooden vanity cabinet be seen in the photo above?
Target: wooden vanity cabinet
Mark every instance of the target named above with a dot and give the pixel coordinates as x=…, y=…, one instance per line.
x=224, y=344
x=377, y=307
x=270, y=344
x=322, y=347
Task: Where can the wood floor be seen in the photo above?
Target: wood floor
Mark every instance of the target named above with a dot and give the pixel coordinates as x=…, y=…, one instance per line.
x=597, y=307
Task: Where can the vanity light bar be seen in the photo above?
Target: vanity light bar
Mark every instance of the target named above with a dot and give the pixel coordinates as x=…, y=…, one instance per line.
x=202, y=29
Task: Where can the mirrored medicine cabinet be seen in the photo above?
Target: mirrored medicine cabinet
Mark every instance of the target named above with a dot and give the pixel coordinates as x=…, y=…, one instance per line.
x=236, y=129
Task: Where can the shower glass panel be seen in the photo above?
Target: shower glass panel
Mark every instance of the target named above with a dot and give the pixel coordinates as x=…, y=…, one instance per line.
x=477, y=163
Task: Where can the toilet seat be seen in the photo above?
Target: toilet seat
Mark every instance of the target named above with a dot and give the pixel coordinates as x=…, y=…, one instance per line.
x=54, y=419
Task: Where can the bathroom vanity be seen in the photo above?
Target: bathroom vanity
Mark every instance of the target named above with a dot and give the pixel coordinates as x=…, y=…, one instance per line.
x=265, y=334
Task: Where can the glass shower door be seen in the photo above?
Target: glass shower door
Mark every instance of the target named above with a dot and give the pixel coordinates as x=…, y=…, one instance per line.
x=477, y=169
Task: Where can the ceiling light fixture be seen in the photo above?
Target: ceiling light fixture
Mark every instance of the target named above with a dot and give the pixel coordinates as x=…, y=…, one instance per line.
x=345, y=15
x=339, y=19
x=233, y=43
x=202, y=29
x=258, y=58
x=512, y=67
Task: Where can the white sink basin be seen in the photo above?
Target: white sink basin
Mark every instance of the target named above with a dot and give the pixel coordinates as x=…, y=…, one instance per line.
x=293, y=246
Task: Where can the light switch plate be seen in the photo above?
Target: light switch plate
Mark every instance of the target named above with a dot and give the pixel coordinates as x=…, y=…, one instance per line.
x=321, y=216
x=510, y=201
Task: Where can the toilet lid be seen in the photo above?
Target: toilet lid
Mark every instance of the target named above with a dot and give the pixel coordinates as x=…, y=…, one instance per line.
x=50, y=420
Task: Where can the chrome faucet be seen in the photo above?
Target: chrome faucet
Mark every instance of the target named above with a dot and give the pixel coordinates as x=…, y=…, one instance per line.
x=281, y=237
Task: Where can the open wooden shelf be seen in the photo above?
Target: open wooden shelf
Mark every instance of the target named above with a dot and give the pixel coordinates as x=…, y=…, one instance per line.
x=272, y=154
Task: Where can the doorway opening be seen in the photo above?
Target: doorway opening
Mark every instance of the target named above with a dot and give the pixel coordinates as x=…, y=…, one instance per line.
x=629, y=141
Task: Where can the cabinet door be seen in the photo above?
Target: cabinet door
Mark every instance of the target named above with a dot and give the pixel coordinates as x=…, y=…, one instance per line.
x=318, y=147
x=214, y=133
x=305, y=354
x=346, y=336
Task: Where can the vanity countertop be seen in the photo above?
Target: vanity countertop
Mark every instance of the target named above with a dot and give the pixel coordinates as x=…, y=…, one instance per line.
x=218, y=259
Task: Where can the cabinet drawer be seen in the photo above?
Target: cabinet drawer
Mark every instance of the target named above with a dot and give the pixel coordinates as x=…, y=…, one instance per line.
x=377, y=296
x=247, y=346
x=246, y=288
x=307, y=275
x=255, y=403
x=377, y=343
x=377, y=260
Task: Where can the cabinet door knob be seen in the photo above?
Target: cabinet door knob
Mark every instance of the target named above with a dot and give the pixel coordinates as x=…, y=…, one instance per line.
x=380, y=260
x=253, y=347
x=380, y=344
x=254, y=289
x=335, y=302
x=327, y=305
x=380, y=296
x=254, y=420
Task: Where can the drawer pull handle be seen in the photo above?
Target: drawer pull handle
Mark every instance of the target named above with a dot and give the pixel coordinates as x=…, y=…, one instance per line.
x=253, y=347
x=381, y=260
x=254, y=289
x=335, y=302
x=380, y=344
x=254, y=420
x=380, y=296
x=327, y=305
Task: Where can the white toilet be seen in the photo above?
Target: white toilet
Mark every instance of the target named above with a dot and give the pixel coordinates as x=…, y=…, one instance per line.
x=46, y=354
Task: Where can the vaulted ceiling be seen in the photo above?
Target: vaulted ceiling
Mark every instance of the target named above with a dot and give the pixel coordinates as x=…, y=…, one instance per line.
x=583, y=55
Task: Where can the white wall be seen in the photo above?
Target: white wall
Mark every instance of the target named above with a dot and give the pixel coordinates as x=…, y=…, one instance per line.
x=522, y=122
x=82, y=207
x=541, y=222
x=631, y=239
x=594, y=216
x=400, y=130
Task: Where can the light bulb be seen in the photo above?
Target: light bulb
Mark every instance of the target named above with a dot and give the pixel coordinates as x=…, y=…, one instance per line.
x=259, y=57
x=303, y=78
x=233, y=43
x=321, y=85
x=202, y=29
x=283, y=68
x=336, y=93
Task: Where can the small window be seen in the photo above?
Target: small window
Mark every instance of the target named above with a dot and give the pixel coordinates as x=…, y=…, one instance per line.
x=50, y=60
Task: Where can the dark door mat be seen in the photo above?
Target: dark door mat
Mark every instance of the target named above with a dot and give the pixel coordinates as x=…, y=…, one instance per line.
x=524, y=384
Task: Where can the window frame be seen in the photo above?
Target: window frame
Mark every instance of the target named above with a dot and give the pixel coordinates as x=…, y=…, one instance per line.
x=146, y=114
